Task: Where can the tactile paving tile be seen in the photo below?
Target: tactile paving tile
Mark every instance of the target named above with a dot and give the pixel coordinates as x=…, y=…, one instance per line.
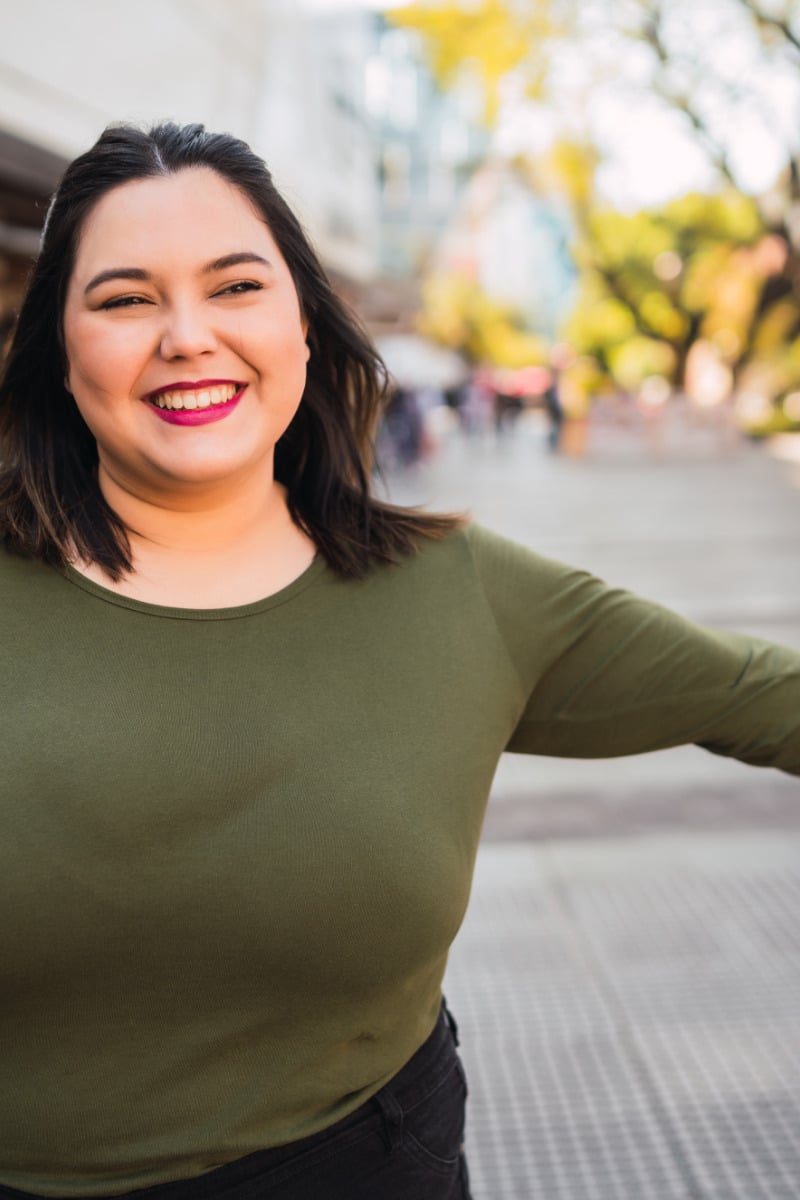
x=631, y=1021
x=719, y=1032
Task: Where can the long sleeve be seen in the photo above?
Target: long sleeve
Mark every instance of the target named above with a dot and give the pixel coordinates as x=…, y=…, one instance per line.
x=607, y=673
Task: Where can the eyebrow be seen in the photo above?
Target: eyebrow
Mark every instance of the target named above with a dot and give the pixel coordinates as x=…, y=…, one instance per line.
x=219, y=264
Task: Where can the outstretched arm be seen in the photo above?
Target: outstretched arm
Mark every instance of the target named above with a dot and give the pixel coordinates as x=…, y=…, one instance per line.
x=607, y=673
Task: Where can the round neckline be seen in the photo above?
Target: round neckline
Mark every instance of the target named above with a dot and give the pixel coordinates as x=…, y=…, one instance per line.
x=274, y=600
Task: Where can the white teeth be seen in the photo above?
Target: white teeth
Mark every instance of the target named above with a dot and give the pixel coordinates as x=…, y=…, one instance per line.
x=201, y=399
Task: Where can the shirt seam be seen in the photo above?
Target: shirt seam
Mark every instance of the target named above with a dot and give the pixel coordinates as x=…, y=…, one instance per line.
x=525, y=692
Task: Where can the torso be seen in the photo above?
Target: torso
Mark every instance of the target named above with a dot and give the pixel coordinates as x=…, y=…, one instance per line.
x=236, y=847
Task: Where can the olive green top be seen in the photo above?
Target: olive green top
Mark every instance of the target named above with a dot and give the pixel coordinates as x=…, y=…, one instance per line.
x=237, y=844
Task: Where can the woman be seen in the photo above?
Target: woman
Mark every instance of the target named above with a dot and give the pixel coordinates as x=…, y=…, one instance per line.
x=251, y=715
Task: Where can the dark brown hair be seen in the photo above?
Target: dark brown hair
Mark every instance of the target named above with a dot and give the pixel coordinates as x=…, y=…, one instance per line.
x=51, y=505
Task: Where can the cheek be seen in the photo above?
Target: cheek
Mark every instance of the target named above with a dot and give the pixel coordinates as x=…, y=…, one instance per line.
x=282, y=357
x=99, y=387
x=87, y=365
x=101, y=364
x=300, y=348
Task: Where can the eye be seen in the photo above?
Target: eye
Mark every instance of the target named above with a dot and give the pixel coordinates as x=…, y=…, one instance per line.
x=124, y=302
x=240, y=287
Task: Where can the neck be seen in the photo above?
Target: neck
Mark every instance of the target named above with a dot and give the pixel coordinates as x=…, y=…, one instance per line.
x=218, y=549
x=202, y=523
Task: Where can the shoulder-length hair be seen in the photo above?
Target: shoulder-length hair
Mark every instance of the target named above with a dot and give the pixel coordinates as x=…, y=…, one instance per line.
x=51, y=505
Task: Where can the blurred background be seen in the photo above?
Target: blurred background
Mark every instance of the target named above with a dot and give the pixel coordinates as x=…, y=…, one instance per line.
x=573, y=227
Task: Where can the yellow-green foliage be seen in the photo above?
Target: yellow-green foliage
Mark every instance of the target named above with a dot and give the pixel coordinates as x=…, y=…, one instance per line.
x=487, y=38
x=635, y=360
x=651, y=281
x=457, y=312
x=599, y=320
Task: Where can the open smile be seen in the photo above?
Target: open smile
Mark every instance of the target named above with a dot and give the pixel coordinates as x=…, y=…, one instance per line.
x=196, y=403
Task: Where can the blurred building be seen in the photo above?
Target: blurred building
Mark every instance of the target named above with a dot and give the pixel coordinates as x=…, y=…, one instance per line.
x=429, y=143
x=449, y=205
x=317, y=133
x=281, y=74
x=28, y=173
x=515, y=243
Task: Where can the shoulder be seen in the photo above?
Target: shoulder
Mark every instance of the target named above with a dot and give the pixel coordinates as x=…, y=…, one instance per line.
x=474, y=561
x=477, y=545
x=503, y=564
x=489, y=557
x=17, y=571
x=26, y=584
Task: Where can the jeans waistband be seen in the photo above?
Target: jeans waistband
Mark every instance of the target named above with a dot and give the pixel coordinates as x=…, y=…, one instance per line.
x=413, y=1081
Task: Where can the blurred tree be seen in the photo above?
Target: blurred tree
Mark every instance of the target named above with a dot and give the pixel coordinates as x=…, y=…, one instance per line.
x=458, y=312
x=653, y=283
x=491, y=38
x=723, y=267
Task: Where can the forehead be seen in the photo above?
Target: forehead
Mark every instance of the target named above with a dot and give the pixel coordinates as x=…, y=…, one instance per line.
x=192, y=212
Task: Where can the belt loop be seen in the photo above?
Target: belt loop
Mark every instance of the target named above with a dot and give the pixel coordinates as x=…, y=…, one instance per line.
x=392, y=1116
x=451, y=1021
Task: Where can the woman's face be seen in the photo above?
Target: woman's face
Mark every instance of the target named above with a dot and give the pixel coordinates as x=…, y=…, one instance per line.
x=184, y=337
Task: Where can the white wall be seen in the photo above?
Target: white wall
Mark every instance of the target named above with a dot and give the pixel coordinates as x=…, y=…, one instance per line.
x=312, y=118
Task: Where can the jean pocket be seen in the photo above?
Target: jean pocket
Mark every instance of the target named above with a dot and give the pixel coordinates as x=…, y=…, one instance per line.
x=433, y=1129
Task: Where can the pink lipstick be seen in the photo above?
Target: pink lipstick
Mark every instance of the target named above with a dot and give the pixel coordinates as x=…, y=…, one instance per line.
x=215, y=406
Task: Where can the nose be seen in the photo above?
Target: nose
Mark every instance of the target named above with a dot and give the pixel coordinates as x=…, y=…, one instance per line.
x=187, y=332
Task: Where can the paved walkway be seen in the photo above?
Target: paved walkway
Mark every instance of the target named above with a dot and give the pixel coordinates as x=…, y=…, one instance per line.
x=630, y=1018
x=627, y=980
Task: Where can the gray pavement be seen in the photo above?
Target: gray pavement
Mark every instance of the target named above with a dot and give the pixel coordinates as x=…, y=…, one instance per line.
x=630, y=1018
x=627, y=980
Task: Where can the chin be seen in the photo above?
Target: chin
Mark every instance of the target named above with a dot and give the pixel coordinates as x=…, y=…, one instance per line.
x=213, y=473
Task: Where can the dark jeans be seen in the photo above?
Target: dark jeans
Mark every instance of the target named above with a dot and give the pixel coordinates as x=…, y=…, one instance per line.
x=406, y=1143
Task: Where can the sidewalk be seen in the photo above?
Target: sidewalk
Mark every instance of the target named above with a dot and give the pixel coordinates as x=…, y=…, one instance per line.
x=630, y=1019
x=627, y=981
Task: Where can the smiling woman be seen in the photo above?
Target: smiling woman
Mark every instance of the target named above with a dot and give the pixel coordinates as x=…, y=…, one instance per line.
x=187, y=374
x=250, y=715
x=159, y=351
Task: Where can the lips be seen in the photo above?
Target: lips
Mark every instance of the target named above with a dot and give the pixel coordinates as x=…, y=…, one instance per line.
x=196, y=403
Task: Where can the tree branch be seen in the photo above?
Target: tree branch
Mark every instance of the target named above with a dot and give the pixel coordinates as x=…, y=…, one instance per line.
x=652, y=34
x=766, y=21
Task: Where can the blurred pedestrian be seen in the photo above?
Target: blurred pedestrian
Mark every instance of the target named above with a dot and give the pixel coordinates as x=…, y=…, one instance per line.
x=475, y=406
x=507, y=409
x=555, y=413
x=250, y=714
x=403, y=428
